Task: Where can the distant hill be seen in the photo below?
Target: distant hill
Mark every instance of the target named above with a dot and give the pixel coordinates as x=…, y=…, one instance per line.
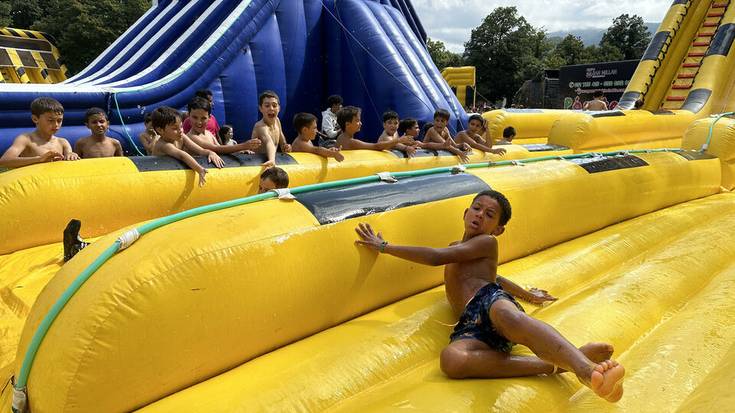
x=593, y=36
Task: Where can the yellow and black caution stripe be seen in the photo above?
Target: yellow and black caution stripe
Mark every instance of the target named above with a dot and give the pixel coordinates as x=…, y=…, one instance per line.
x=28, y=56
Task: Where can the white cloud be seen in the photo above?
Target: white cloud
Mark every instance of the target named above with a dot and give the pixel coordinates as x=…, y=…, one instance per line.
x=451, y=21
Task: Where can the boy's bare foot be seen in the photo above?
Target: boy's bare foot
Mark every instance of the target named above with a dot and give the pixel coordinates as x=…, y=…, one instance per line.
x=596, y=352
x=607, y=380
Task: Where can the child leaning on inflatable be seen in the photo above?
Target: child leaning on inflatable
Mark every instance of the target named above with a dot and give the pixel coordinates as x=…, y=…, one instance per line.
x=350, y=123
x=172, y=142
x=490, y=319
x=41, y=145
x=305, y=126
x=438, y=137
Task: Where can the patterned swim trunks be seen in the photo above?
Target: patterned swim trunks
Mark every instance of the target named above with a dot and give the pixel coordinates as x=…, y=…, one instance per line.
x=475, y=320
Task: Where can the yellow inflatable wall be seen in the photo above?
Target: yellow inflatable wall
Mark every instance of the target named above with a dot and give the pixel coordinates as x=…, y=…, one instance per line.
x=670, y=316
x=201, y=296
x=721, y=144
x=108, y=194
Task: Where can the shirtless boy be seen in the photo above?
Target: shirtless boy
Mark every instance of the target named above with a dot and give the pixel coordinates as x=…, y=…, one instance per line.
x=490, y=320
x=597, y=102
x=200, y=111
x=438, y=138
x=41, y=145
x=390, y=132
x=149, y=136
x=472, y=136
x=97, y=145
x=350, y=123
x=268, y=130
x=305, y=126
x=173, y=142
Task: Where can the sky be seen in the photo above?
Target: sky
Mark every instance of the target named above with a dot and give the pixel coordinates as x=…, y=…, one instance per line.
x=451, y=21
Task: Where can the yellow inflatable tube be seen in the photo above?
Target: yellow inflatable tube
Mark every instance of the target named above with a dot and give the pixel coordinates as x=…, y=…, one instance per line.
x=721, y=144
x=206, y=294
x=389, y=357
x=531, y=125
x=108, y=194
x=628, y=129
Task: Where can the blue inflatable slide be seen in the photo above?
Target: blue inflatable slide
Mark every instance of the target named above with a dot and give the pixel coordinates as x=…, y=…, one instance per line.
x=371, y=52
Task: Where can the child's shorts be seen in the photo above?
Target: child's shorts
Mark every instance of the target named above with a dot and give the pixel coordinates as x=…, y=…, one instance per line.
x=475, y=319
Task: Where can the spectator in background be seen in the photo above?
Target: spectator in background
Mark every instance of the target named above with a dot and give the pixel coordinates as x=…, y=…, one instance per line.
x=597, y=102
x=330, y=127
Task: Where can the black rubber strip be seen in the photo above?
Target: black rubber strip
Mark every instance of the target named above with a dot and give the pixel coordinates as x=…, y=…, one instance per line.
x=608, y=114
x=679, y=2
x=695, y=156
x=422, y=153
x=541, y=147
x=722, y=41
x=696, y=100
x=167, y=163
x=338, y=204
x=656, y=46
x=603, y=164
x=397, y=153
x=627, y=101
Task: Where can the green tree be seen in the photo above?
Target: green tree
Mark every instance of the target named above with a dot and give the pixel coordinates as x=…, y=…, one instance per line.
x=629, y=35
x=82, y=28
x=21, y=14
x=5, y=18
x=506, y=50
x=570, y=50
x=441, y=56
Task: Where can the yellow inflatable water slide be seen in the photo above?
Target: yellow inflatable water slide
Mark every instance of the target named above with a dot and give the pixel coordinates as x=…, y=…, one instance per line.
x=215, y=299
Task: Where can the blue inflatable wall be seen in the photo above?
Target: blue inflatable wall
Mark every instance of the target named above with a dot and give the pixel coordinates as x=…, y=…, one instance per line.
x=371, y=52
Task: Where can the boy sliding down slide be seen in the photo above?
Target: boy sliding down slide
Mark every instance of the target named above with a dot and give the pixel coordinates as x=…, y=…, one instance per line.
x=490, y=320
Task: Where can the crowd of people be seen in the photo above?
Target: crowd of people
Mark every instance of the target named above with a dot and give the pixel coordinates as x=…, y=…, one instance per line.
x=197, y=132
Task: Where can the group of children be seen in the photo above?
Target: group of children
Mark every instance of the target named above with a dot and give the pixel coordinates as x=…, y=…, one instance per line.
x=171, y=133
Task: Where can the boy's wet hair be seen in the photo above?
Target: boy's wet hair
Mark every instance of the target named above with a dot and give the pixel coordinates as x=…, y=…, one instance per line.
x=441, y=114
x=505, y=210
x=598, y=94
x=147, y=117
x=222, y=133
x=267, y=94
x=346, y=114
x=42, y=105
x=334, y=100
x=203, y=93
x=302, y=120
x=509, y=132
x=277, y=175
x=164, y=116
x=199, y=103
x=405, y=125
x=477, y=118
x=93, y=111
x=388, y=115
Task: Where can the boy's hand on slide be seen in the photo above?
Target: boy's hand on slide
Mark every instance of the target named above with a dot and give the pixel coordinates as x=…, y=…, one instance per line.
x=538, y=297
x=368, y=237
